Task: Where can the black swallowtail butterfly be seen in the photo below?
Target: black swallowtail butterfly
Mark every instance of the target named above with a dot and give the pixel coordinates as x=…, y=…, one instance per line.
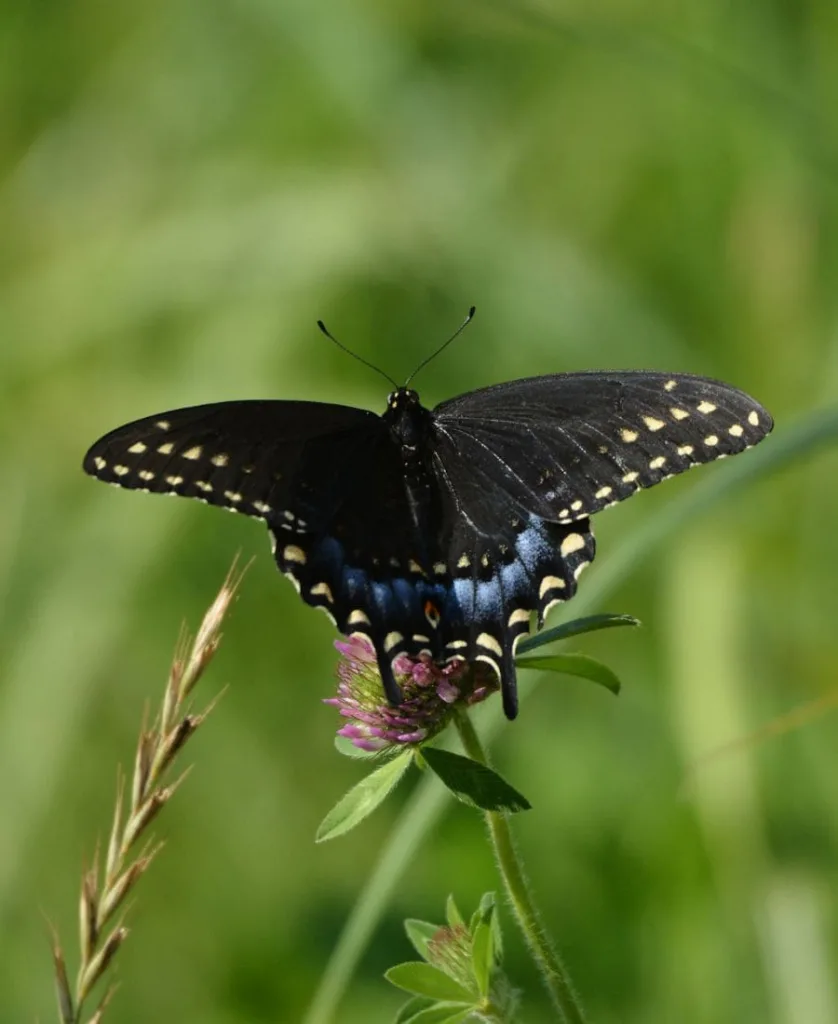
x=438, y=531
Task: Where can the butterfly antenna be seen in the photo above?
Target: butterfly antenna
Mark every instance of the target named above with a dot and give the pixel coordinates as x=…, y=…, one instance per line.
x=433, y=355
x=354, y=355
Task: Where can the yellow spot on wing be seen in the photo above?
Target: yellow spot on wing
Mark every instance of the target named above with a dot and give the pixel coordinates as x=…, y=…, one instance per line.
x=490, y=643
x=203, y=486
x=653, y=424
x=518, y=616
x=193, y=453
x=392, y=640
x=173, y=481
x=233, y=496
x=550, y=583
x=145, y=474
x=221, y=459
x=629, y=478
x=463, y=562
x=670, y=385
x=572, y=542
x=678, y=414
x=99, y=462
x=753, y=418
x=576, y=506
x=686, y=449
x=603, y=492
x=163, y=424
x=711, y=440
x=121, y=470
x=138, y=447
x=736, y=430
x=658, y=462
x=262, y=506
x=629, y=435
x=166, y=449
x=357, y=617
x=706, y=407
x=291, y=553
x=323, y=590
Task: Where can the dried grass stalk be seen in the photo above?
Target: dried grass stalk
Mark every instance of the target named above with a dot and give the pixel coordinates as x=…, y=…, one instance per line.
x=104, y=891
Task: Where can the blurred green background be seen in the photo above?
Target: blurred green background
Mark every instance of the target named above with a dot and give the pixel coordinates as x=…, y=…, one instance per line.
x=186, y=187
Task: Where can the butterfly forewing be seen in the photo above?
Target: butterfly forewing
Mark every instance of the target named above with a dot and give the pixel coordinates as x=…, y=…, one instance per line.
x=244, y=456
x=569, y=445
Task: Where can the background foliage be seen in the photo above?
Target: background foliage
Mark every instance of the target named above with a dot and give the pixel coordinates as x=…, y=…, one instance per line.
x=186, y=186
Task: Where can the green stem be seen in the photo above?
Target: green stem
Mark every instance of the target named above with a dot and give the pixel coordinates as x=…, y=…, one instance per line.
x=547, y=960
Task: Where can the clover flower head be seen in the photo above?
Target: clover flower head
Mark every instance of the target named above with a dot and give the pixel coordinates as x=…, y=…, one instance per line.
x=431, y=693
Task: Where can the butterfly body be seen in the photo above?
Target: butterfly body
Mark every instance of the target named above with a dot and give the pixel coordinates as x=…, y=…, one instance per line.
x=438, y=531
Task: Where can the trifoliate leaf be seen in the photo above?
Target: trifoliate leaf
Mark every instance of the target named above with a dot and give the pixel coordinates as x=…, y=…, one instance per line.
x=363, y=798
x=574, y=665
x=474, y=783
x=424, y=980
x=420, y=934
x=589, y=624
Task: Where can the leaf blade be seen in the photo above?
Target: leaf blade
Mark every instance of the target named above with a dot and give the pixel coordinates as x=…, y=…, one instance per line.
x=363, y=798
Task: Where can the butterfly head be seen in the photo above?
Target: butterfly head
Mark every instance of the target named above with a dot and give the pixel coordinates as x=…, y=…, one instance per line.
x=407, y=418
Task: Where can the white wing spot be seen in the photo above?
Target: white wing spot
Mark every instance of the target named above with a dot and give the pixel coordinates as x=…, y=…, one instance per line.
x=440, y=568
x=577, y=572
x=233, y=496
x=572, y=542
x=289, y=516
x=658, y=463
x=222, y=459
x=670, y=385
x=629, y=478
x=463, y=562
x=99, y=462
x=121, y=470
x=262, y=506
x=736, y=430
x=414, y=566
x=138, y=447
x=564, y=514
x=576, y=506
x=603, y=492
x=193, y=453
x=706, y=407
x=629, y=435
x=456, y=645
x=753, y=418
x=163, y=424
x=291, y=553
x=174, y=481
x=323, y=590
x=686, y=449
x=550, y=583
x=678, y=414
x=166, y=449
x=358, y=618
x=653, y=424
x=490, y=643
x=518, y=616
x=711, y=440
x=203, y=486
x=145, y=474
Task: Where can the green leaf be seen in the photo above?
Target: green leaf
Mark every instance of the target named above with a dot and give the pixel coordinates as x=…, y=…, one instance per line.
x=482, y=957
x=442, y=1013
x=409, y=1010
x=424, y=980
x=452, y=914
x=474, y=783
x=487, y=911
x=574, y=665
x=363, y=798
x=589, y=624
x=420, y=934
